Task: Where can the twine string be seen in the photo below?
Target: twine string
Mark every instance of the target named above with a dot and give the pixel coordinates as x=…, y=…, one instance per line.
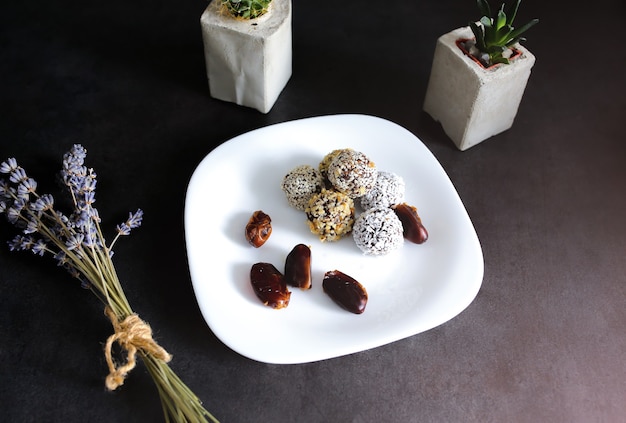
x=132, y=334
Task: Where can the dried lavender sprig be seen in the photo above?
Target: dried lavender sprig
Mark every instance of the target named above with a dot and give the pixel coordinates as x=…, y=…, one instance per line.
x=123, y=229
x=79, y=238
x=79, y=246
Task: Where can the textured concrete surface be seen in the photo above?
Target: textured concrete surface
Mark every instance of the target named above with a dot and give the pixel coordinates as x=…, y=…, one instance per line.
x=248, y=62
x=473, y=103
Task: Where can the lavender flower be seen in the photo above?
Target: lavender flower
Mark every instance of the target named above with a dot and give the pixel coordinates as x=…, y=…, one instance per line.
x=43, y=203
x=18, y=175
x=61, y=258
x=20, y=204
x=74, y=241
x=26, y=187
x=21, y=243
x=14, y=213
x=89, y=184
x=73, y=166
x=5, y=189
x=84, y=283
x=75, y=157
x=81, y=219
x=75, y=273
x=60, y=225
x=39, y=248
x=91, y=237
x=88, y=199
x=8, y=166
x=32, y=226
x=134, y=221
x=79, y=153
x=95, y=216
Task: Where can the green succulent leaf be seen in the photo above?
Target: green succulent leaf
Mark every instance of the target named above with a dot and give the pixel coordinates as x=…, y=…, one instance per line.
x=479, y=35
x=488, y=30
x=513, y=13
x=516, y=33
x=495, y=50
x=503, y=35
x=499, y=59
x=484, y=8
x=501, y=19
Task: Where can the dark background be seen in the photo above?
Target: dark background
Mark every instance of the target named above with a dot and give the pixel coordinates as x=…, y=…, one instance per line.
x=543, y=341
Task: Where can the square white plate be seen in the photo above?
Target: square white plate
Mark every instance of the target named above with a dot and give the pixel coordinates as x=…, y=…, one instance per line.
x=410, y=291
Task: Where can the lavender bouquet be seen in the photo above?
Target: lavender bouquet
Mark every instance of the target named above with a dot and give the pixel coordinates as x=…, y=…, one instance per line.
x=77, y=244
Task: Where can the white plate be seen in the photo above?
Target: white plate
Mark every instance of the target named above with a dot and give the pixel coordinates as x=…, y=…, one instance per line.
x=410, y=291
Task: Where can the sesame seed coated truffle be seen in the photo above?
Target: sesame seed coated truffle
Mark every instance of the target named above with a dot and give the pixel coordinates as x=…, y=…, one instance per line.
x=330, y=215
x=300, y=184
x=352, y=172
x=387, y=191
x=378, y=231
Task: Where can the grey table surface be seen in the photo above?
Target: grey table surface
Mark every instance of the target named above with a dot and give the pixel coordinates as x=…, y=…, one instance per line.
x=545, y=338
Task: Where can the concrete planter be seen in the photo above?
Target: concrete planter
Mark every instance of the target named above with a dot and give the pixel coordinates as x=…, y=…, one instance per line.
x=248, y=62
x=473, y=103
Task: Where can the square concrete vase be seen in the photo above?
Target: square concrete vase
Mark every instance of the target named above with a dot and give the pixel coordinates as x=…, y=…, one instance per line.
x=473, y=103
x=248, y=61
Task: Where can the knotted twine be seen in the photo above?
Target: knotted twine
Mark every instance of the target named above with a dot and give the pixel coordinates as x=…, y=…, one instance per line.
x=132, y=334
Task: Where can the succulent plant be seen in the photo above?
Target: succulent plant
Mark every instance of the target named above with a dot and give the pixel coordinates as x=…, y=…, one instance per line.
x=246, y=9
x=495, y=35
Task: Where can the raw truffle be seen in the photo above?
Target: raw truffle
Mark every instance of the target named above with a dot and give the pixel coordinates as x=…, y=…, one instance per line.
x=378, y=231
x=330, y=215
x=300, y=184
x=326, y=161
x=352, y=173
x=387, y=191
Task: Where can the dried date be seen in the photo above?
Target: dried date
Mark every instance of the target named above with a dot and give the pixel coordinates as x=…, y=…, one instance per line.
x=269, y=285
x=346, y=291
x=298, y=267
x=258, y=229
x=413, y=229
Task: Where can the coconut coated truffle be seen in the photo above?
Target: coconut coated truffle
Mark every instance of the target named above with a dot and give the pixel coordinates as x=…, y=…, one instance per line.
x=300, y=184
x=378, y=231
x=352, y=173
x=387, y=191
x=330, y=215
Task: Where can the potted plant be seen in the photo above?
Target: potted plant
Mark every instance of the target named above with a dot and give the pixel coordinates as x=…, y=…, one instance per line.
x=248, y=50
x=478, y=76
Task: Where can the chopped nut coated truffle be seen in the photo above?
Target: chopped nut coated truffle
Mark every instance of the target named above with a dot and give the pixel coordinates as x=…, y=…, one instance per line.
x=330, y=215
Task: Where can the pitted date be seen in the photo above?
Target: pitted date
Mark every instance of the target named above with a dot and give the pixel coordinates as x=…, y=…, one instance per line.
x=413, y=229
x=258, y=229
x=346, y=291
x=269, y=285
x=298, y=267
